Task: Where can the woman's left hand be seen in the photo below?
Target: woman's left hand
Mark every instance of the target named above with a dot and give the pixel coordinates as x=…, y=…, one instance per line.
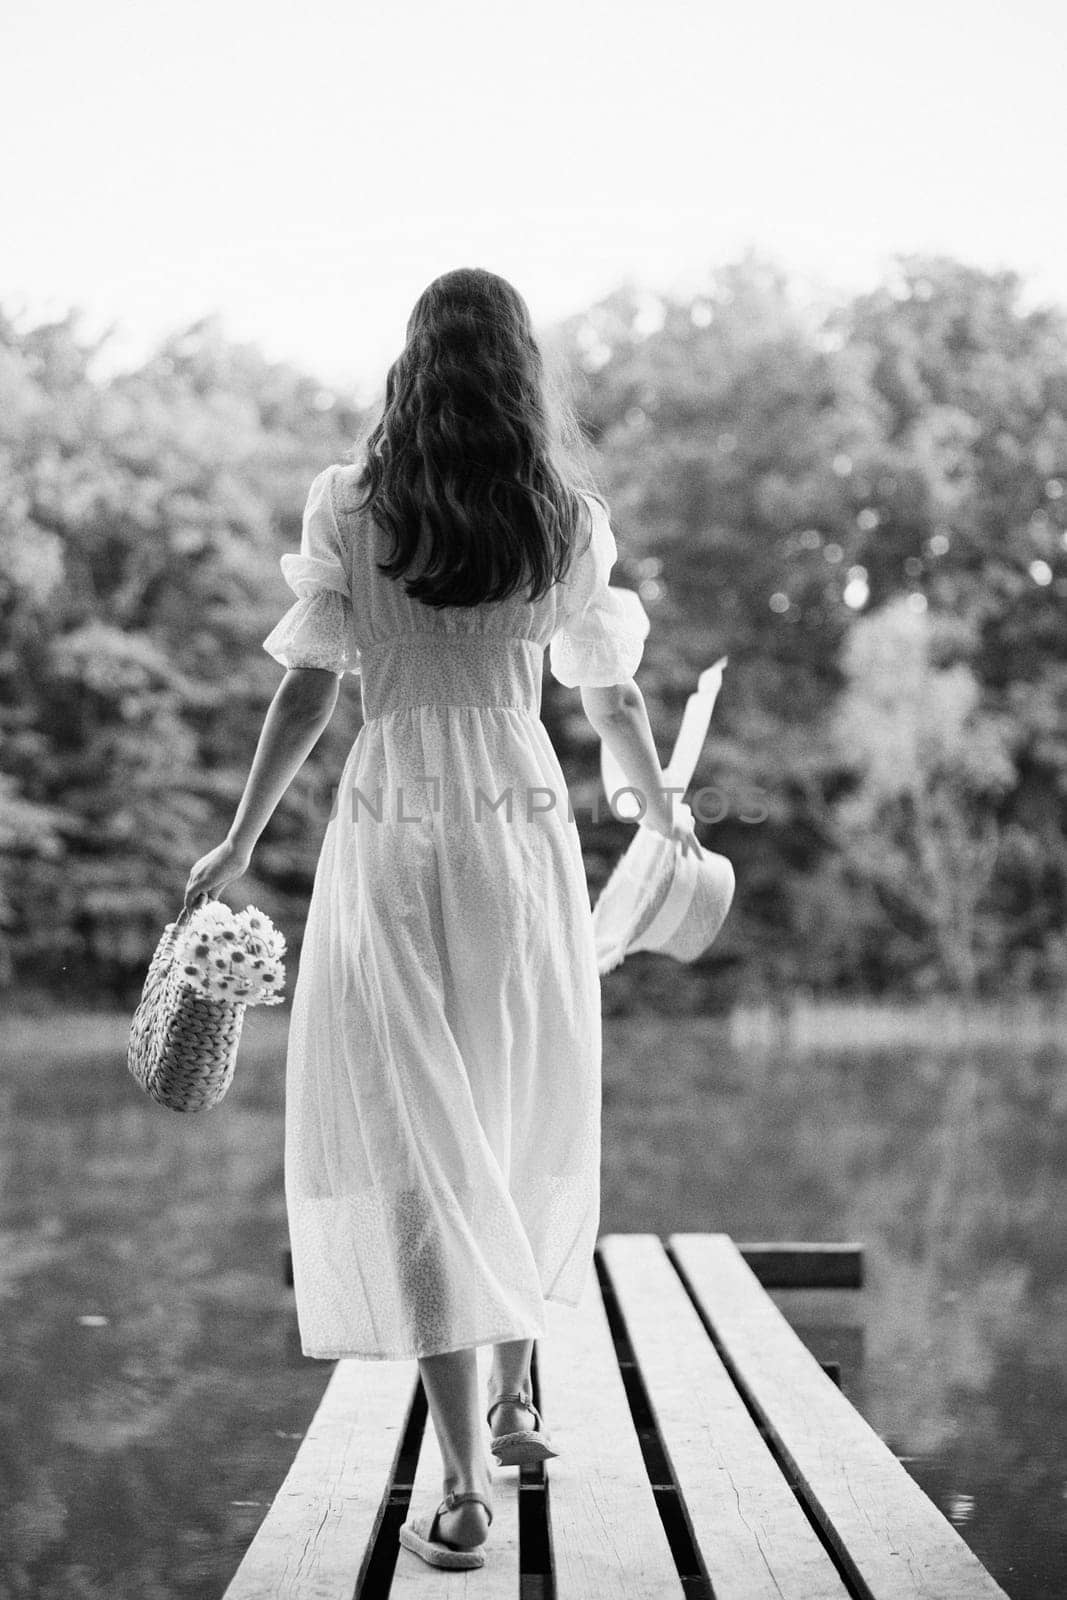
x=215, y=870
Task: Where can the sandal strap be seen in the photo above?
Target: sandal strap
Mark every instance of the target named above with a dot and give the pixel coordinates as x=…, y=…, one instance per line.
x=452, y=1499
x=521, y=1399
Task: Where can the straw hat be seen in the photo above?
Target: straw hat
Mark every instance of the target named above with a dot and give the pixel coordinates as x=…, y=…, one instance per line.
x=659, y=897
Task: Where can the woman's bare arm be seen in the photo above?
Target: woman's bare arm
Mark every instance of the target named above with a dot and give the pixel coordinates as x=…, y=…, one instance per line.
x=620, y=717
x=302, y=706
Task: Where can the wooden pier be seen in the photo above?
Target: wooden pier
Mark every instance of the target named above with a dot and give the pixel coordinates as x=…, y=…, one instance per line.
x=704, y=1453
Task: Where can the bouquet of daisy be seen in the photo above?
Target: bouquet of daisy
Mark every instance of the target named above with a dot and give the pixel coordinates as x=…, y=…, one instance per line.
x=231, y=955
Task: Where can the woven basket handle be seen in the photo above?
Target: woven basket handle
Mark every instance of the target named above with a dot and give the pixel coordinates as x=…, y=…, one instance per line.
x=186, y=911
x=202, y=900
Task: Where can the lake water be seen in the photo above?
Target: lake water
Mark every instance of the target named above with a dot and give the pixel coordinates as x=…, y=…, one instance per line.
x=152, y=1384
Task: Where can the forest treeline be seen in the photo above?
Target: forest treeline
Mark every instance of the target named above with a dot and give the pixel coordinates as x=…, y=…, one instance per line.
x=865, y=508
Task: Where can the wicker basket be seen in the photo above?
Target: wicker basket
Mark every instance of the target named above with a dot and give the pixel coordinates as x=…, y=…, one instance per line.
x=183, y=1046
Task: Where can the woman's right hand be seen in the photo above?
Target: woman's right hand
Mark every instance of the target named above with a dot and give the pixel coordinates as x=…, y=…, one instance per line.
x=684, y=833
x=681, y=829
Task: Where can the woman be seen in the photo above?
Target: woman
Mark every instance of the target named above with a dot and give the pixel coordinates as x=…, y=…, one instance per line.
x=442, y=1149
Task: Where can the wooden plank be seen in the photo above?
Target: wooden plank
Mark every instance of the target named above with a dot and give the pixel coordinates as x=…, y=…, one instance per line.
x=806, y=1265
x=891, y=1539
x=314, y=1542
x=604, y=1526
x=414, y=1579
x=755, y=1540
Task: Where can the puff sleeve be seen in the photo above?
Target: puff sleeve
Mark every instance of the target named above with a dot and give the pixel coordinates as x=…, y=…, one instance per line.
x=601, y=631
x=317, y=630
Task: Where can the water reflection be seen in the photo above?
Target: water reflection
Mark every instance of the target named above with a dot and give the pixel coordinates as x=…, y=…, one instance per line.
x=951, y=1169
x=153, y=1387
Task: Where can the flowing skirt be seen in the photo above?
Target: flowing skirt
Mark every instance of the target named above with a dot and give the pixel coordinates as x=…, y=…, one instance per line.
x=443, y=1077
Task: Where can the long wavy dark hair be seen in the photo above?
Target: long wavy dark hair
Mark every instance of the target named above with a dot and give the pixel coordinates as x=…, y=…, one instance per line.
x=477, y=442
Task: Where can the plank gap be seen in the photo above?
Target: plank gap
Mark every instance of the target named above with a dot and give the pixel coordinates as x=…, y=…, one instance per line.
x=536, y=1576
x=377, y=1576
x=853, y=1582
x=411, y=1442
x=669, y=1503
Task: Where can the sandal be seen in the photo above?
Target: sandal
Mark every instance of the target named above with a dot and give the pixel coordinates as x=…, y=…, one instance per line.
x=417, y=1537
x=526, y=1446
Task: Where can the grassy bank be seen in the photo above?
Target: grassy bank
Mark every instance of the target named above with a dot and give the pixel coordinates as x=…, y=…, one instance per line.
x=802, y=1023
x=799, y=1024
x=64, y=1033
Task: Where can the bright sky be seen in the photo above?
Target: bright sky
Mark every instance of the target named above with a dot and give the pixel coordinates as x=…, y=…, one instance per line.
x=305, y=170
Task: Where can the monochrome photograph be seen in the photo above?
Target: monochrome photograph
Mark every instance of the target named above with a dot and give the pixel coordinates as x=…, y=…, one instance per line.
x=533, y=801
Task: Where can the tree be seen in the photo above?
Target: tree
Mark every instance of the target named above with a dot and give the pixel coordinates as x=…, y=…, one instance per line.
x=138, y=575
x=778, y=480
x=921, y=827
x=726, y=427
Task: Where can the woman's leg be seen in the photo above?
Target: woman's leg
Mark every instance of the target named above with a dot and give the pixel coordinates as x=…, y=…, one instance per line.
x=511, y=1366
x=510, y=1374
x=451, y=1385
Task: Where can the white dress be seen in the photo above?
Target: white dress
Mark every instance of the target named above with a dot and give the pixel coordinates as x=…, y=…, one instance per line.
x=443, y=1087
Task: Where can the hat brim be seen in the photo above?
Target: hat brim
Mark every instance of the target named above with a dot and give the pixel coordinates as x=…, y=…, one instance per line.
x=659, y=899
x=634, y=893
